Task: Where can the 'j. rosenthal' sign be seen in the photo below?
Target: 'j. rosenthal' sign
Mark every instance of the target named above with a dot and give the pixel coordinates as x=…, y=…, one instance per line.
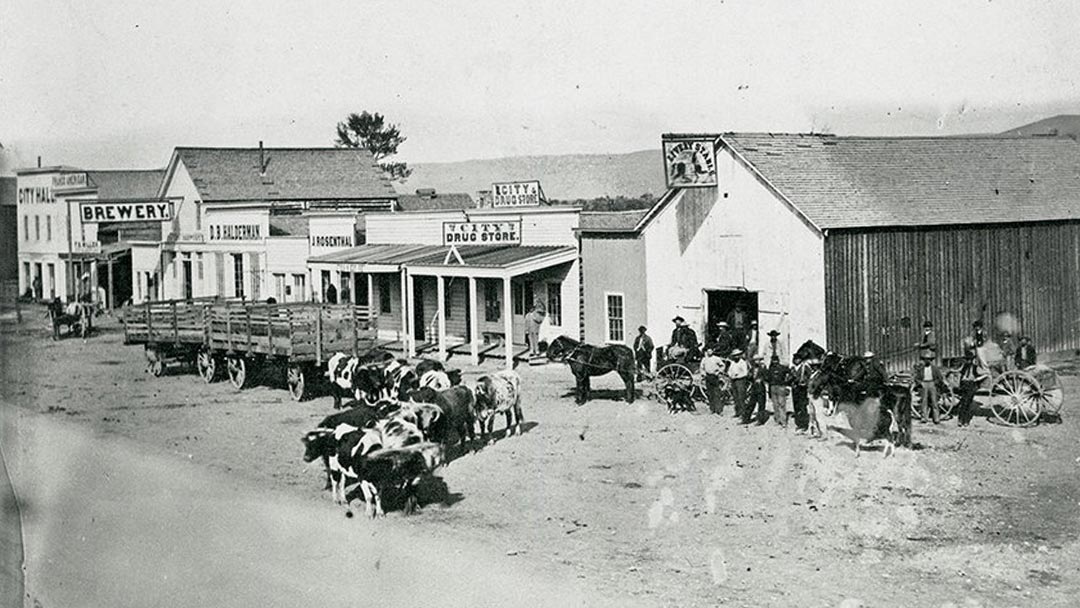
x=482, y=233
x=137, y=211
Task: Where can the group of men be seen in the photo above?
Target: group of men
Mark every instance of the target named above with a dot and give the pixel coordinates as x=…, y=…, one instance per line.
x=735, y=354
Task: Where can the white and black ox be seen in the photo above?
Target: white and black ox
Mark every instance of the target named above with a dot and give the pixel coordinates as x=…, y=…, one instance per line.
x=395, y=451
x=495, y=393
x=371, y=377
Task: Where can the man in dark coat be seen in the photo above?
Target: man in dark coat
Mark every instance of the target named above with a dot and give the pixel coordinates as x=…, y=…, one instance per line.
x=779, y=378
x=683, y=339
x=928, y=344
x=331, y=294
x=929, y=378
x=757, y=393
x=972, y=375
x=872, y=377
x=1025, y=354
x=643, y=348
x=725, y=341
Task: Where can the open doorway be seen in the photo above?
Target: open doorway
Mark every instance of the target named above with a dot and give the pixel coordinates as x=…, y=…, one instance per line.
x=737, y=308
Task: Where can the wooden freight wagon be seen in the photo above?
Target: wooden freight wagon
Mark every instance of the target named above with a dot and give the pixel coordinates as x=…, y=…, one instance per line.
x=299, y=337
x=172, y=331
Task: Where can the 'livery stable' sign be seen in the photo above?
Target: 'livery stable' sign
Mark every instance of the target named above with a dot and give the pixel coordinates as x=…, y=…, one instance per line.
x=133, y=211
x=515, y=194
x=689, y=161
x=482, y=233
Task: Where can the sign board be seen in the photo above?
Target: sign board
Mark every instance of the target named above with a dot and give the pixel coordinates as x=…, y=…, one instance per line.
x=689, y=161
x=515, y=194
x=35, y=194
x=235, y=232
x=93, y=212
x=69, y=181
x=86, y=246
x=186, y=237
x=331, y=241
x=482, y=233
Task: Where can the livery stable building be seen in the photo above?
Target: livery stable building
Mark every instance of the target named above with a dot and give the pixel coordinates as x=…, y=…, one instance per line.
x=461, y=281
x=848, y=241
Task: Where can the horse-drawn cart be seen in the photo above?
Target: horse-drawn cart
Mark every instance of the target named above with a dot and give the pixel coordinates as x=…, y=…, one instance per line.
x=1019, y=397
x=680, y=379
x=300, y=337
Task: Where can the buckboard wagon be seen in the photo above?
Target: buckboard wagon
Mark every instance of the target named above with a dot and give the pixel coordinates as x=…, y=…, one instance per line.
x=236, y=339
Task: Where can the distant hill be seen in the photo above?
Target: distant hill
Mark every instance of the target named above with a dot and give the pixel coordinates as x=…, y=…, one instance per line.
x=1062, y=125
x=566, y=177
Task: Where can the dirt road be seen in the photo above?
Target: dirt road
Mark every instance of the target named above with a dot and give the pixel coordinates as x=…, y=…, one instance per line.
x=108, y=524
x=685, y=510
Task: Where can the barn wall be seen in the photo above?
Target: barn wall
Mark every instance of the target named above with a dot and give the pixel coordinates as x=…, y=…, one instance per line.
x=874, y=280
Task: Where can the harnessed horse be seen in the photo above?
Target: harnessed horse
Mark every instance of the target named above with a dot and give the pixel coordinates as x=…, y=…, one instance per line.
x=587, y=360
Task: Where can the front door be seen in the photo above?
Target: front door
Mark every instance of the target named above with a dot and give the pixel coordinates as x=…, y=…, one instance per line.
x=736, y=308
x=187, y=280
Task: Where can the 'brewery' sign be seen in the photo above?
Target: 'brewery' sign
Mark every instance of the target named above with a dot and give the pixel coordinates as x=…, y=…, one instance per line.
x=69, y=181
x=482, y=233
x=235, y=232
x=689, y=161
x=515, y=194
x=137, y=211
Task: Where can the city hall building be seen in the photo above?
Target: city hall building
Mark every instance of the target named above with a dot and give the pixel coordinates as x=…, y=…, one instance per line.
x=848, y=241
x=74, y=223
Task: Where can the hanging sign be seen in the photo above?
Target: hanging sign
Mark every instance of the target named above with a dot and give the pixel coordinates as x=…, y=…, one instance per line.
x=515, y=194
x=482, y=233
x=86, y=246
x=135, y=211
x=69, y=181
x=689, y=161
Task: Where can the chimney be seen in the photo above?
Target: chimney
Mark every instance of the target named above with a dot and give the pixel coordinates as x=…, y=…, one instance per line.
x=425, y=192
x=262, y=159
x=39, y=162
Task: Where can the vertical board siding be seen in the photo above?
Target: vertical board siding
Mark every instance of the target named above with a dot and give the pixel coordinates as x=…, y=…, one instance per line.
x=876, y=279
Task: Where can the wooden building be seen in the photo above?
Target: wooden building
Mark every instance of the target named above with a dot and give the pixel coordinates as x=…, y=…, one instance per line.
x=853, y=242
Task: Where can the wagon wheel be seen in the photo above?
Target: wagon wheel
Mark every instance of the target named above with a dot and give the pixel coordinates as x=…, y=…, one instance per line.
x=297, y=381
x=1014, y=399
x=238, y=371
x=674, y=372
x=208, y=365
x=1051, y=393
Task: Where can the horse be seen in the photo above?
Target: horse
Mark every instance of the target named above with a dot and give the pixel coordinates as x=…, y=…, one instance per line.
x=834, y=383
x=587, y=360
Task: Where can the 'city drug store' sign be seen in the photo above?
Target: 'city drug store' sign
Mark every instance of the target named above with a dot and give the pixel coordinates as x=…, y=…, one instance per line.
x=482, y=233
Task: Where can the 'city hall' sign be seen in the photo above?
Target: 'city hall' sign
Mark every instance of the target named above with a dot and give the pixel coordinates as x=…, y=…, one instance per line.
x=137, y=211
x=482, y=233
x=515, y=194
x=689, y=162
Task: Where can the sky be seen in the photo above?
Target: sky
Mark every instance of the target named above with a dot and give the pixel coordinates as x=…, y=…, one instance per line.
x=120, y=83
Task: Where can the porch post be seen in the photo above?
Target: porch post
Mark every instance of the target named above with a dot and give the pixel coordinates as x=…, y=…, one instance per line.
x=371, y=293
x=410, y=336
x=110, y=300
x=404, y=313
x=440, y=293
x=508, y=323
x=474, y=330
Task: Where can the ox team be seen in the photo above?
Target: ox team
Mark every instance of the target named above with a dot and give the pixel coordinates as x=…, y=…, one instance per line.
x=400, y=422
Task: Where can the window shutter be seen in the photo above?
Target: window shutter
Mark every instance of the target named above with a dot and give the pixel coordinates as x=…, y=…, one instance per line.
x=255, y=277
x=219, y=270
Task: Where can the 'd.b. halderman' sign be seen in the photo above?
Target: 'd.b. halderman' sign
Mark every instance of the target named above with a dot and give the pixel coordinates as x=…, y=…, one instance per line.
x=482, y=233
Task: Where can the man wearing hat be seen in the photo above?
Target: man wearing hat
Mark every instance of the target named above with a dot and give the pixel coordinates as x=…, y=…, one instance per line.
x=800, y=395
x=872, y=377
x=712, y=365
x=739, y=372
x=779, y=378
x=930, y=378
x=757, y=393
x=751, y=341
x=533, y=321
x=971, y=376
x=774, y=344
x=643, y=347
x=683, y=339
x=1025, y=354
x=928, y=344
x=725, y=341
x=977, y=333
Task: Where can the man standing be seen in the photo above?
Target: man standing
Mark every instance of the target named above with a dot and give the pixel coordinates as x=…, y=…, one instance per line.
x=346, y=295
x=977, y=333
x=725, y=341
x=752, y=339
x=928, y=345
x=36, y=285
x=758, y=391
x=683, y=339
x=930, y=378
x=971, y=376
x=800, y=395
x=331, y=294
x=1025, y=353
x=778, y=377
x=739, y=372
x=643, y=347
x=533, y=320
x=774, y=344
x=712, y=366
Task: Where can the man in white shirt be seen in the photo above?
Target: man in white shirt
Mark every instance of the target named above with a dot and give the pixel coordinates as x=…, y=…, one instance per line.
x=712, y=365
x=739, y=372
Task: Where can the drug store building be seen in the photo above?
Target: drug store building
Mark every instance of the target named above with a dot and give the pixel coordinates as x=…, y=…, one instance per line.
x=849, y=241
x=461, y=281
x=246, y=219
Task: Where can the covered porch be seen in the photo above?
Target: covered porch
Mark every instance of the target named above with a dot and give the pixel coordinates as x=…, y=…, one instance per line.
x=467, y=300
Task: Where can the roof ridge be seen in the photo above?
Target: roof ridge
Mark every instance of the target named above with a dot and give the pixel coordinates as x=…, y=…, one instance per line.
x=256, y=148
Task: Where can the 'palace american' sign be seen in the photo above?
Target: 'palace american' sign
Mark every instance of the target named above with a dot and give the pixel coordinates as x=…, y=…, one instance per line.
x=94, y=212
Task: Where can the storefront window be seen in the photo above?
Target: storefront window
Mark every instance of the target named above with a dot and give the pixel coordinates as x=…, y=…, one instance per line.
x=384, y=293
x=299, y=292
x=554, y=303
x=491, y=300
x=238, y=275
x=448, y=301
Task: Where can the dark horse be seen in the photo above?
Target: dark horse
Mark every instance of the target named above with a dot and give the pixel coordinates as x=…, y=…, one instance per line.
x=586, y=360
x=836, y=379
